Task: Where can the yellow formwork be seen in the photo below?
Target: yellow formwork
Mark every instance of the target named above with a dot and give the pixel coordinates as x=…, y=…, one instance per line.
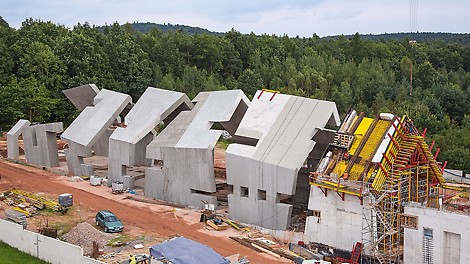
x=359, y=134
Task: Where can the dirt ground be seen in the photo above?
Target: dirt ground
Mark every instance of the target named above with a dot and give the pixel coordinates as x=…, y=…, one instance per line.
x=146, y=223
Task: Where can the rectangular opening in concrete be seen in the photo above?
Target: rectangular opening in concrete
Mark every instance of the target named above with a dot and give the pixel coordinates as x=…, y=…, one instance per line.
x=244, y=191
x=261, y=195
x=427, y=246
x=34, y=138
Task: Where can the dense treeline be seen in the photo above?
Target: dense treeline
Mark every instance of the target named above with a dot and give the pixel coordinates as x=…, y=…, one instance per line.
x=41, y=58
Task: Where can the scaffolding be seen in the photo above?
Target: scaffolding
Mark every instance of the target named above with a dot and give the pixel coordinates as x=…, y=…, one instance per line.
x=407, y=172
x=410, y=174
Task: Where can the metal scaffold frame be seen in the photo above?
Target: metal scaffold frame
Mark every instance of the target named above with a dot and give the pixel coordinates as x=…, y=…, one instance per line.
x=411, y=178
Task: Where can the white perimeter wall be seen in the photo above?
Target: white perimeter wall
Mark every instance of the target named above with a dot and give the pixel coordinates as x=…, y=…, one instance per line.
x=451, y=236
x=340, y=222
x=43, y=247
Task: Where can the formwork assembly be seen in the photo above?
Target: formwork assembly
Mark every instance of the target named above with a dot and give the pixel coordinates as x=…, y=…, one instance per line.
x=386, y=163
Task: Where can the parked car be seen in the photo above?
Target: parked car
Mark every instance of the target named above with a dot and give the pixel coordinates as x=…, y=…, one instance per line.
x=108, y=221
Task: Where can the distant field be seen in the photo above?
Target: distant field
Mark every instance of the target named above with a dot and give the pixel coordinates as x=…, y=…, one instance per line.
x=9, y=255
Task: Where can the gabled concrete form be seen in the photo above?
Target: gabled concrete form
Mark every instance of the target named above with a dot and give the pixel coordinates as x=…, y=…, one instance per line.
x=186, y=148
x=127, y=145
x=284, y=126
x=40, y=144
x=90, y=126
x=13, y=136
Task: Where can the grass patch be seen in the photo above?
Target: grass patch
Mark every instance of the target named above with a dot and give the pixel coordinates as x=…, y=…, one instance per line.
x=121, y=239
x=10, y=255
x=223, y=143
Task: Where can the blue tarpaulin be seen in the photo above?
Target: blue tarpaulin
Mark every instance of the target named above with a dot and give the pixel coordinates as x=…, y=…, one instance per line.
x=181, y=250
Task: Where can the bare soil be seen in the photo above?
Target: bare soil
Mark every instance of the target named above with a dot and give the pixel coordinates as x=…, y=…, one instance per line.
x=149, y=223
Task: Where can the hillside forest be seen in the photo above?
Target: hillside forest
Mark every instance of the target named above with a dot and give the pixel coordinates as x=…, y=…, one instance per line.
x=40, y=59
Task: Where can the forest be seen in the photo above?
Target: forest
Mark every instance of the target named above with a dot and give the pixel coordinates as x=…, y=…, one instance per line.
x=40, y=59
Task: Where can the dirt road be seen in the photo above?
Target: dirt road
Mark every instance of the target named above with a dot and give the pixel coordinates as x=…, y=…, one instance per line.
x=138, y=216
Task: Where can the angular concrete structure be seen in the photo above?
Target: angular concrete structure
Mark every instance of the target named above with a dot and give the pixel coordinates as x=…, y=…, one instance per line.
x=90, y=127
x=127, y=146
x=82, y=96
x=13, y=136
x=284, y=127
x=185, y=149
x=40, y=144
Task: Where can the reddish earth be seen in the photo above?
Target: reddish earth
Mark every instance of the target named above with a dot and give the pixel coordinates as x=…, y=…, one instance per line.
x=134, y=214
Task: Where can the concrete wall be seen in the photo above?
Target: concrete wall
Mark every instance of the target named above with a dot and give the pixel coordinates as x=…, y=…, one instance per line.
x=186, y=148
x=40, y=144
x=43, y=247
x=284, y=127
x=450, y=236
x=91, y=126
x=127, y=145
x=340, y=222
x=13, y=136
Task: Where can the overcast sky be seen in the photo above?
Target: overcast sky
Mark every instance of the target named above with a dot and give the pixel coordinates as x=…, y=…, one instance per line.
x=296, y=17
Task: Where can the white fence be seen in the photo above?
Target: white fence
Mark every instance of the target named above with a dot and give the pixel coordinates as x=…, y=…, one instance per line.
x=43, y=247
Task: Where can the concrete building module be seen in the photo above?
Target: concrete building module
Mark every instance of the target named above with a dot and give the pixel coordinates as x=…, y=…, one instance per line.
x=13, y=136
x=184, y=149
x=92, y=126
x=127, y=145
x=435, y=236
x=39, y=141
x=282, y=127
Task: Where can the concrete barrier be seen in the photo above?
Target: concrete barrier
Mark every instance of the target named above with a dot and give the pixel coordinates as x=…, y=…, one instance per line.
x=43, y=247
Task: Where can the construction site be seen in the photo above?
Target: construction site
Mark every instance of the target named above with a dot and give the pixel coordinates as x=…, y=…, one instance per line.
x=278, y=178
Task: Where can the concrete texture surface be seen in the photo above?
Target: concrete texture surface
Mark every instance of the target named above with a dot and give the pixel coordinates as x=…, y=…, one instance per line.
x=13, y=135
x=339, y=223
x=40, y=144
x=284, y=126
x=82, y=96
x=449, y=237
x=185, y=149
x=91, y=126
x=127, y=146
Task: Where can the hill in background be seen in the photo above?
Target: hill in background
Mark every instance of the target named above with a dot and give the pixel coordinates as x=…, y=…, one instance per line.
x=420, y=36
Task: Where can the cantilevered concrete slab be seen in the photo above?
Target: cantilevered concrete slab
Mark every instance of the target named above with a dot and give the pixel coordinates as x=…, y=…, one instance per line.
x=185, y=149
x=284, y=126
x=13, y=136
x=91, y=125
x=40, y=144
x=127, y=145
x=82, y=96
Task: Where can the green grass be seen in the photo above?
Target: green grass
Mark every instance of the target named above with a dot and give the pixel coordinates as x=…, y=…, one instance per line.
x=10, y=255
x=223, y=143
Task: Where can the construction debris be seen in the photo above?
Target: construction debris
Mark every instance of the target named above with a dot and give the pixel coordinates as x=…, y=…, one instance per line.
x=84, y=234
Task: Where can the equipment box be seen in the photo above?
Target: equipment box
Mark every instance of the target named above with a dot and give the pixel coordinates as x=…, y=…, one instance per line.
x=66, y=200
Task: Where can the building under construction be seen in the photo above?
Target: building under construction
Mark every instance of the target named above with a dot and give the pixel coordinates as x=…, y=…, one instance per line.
x=374, y=168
